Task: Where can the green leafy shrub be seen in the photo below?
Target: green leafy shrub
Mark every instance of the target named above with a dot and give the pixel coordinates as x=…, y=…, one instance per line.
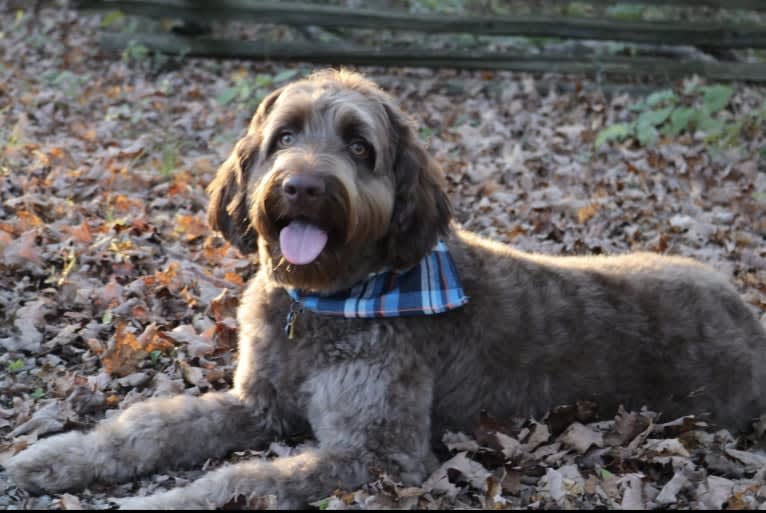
x=249, y=91
x=141, y=57
x=669, y=114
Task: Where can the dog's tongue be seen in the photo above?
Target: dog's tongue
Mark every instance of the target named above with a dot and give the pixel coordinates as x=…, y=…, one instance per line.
x=301, y=242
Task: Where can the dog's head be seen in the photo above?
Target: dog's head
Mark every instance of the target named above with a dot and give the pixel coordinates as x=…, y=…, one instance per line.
x=330, y=184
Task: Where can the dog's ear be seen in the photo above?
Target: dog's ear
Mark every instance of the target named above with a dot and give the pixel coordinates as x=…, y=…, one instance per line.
x=228, y=210
x=422, y=210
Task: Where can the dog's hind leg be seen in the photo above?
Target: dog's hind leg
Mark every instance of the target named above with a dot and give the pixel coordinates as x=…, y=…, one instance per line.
x=158, y=433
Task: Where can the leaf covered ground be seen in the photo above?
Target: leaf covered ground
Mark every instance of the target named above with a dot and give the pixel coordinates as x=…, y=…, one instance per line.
x=113, y=289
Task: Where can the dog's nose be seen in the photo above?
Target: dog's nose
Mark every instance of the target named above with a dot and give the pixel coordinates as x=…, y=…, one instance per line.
x=303, y=187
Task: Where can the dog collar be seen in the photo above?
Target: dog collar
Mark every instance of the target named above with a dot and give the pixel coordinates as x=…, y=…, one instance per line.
x=430, y=287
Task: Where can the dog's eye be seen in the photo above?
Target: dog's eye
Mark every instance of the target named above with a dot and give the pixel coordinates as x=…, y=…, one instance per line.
x=359, y=149
x=286, y=139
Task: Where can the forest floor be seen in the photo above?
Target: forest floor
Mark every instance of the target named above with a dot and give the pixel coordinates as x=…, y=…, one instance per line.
x=113, y=289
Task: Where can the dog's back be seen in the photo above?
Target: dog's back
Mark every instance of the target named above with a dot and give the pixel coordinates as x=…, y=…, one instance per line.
x=640, y=329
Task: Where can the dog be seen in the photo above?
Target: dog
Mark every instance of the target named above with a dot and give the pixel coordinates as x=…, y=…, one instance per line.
x=374, y=322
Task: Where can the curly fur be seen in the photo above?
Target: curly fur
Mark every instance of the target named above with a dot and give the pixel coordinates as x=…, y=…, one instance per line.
x=538, y=331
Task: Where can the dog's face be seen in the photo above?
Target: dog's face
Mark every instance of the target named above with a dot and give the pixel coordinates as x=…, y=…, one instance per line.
x=330, y=184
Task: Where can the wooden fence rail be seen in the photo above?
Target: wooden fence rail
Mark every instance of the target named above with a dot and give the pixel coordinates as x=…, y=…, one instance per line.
x=709, y=35
x=424, y=57
x=704, y=35
x=746, y=5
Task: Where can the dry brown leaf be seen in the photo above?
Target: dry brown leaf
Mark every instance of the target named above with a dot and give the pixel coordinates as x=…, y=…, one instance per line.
x=224, y=305
x=627, y=426
x=192, y=227
x=584, y=214
x=80, y=233
x=109, y=295
x=124, y=353
x=193, y=375
x=234, y=278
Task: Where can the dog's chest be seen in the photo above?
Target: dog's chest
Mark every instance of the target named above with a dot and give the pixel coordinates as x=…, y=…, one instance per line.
x=318, y=343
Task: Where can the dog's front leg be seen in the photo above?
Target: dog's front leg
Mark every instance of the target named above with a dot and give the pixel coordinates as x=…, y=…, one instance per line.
x=365, y=415
x=154, y=434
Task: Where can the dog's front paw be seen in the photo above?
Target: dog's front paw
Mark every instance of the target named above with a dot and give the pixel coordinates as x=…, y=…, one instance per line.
x=179, y=498
x=55, y=464
x=134, y=503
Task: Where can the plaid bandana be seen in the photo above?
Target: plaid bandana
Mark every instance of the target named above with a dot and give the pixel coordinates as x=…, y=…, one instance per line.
x=431, y=287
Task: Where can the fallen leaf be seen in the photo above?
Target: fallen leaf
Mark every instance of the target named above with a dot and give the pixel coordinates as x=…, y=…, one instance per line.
x=27, y=320
x=633, y=497
x=192, y=227
x=193, y=375
x=47, y=419
x=584, y=214
x=627, y=426
x=224, y=305
x=581, y=438
x=538, y=434
x=124, y=352
x=472, y=471
x=70, y=502
x=669, y=492
x=152, y=339
x=666, y=447
x=714, y=492
x=459, y=442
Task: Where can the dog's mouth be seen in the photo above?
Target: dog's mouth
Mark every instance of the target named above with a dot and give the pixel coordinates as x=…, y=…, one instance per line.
x=303, y=235
x=302, y=241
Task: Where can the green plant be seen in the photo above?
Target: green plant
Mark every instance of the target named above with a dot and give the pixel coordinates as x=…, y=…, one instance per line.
x=249, y=91
x=14, y=366
x=20, y=14
x=626, y=11
x=135, y=52
x=169, y=161
x=139, y=56
x=580, y=9
x=669, y=113
x=441, y=6
x=111, y=18
x=69, y=83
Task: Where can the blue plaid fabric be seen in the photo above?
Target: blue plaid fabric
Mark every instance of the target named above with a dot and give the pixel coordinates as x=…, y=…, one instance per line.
x=431, y=287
